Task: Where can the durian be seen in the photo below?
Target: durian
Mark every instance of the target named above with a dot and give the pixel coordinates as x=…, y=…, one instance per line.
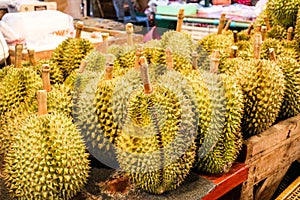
x=297, y=32
x=17, y=86
x=222, y=142
x=158, y=128
x=47, y=159
x=67, y=57
x=96, y=136
x=283, y=12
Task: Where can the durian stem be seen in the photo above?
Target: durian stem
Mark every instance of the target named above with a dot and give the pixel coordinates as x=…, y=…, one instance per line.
x=235, y=38
x=31, y=55
x=79, y=27
x=18, y=55
x=263, y=33
x=227, y=25
x=46, y=77
x=42, y=102
x=214, y=61
x=82, y=66
x=249, y=29
x=109, y=71
x=257, y=45
x=267, y=21
x=195, y=59
x=290, y=33
x=258, y=28
x=169, y=58
x=180, y=17
x=233, y=53
x=138, y=54
x=145, y=76
x=129, y=31
x=221, y=23
x=272, y=54
x=105, y=41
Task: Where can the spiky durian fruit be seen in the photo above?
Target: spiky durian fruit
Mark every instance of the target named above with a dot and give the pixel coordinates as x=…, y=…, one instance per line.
x=156, y=146
x=277, y=32
x=47, y=159
x=291, y=101
x=215, y=41
x=17, y=85
x=181, y=43
x=221, y=144
x=262, y=83
x=297, y=32
x=9, y=124
x=67, y=57
x=283, y=12
x=281, y=48
x=99, y=143
x=95, y=61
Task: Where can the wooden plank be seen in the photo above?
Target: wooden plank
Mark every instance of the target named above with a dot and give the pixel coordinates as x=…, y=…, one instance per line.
x=270, y=185
x=226, y=182
x=268, y=156
x=272, y=136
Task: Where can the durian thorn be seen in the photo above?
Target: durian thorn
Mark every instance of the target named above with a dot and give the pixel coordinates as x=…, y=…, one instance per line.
x=109, y=71
x=233, y=53
x=272, y=54
x=194, y=59
x=46, y=77
x=82, y=66
x=235, y=37
x=129, y=31
x=214, y=61
x=267, y=21
x=31, y=55
x=42, y=102
x=249, y=28
x=145, y=75
x=180, y=17
x=257, y=45
x=138, y=54
x=169, y=58
x=18, y=55
x=290, y=33
x=221, y=23
x=263, y=33
x=226, y=28
x=79, y=27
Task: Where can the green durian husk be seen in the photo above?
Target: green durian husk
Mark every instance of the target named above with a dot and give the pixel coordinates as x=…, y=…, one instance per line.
x=283, y=12
x=277, y=32
x=47, y=159
x=222, y=143
x=67, y=57
x=181, y=43
x=291, y=101
x=86, y=119
x=282, y=48
x=263, y=84
x=297, y=33
x=17, y=86
x=156, y=146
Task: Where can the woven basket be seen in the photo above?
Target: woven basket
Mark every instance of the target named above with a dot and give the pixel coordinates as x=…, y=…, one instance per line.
x=292, y=192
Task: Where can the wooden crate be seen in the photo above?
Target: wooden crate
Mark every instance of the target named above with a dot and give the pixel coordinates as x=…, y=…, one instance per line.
x=269, y=156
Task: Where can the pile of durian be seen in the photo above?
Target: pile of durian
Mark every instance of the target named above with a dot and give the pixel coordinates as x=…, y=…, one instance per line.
x=154, y=111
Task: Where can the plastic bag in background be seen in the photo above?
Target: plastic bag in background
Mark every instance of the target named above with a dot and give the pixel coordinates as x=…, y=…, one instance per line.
x=3, y=50
x=42, y=30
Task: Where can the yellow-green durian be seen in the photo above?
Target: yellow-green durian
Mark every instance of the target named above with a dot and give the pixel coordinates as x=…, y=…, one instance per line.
x=263, y=84
x=156, y=146
x=68, y=56
x=47, y=159
x=17, y=86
